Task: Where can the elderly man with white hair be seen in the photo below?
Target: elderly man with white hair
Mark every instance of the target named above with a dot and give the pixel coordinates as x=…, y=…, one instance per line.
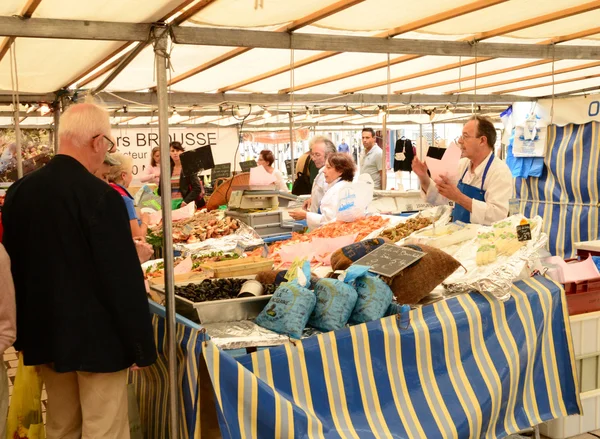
x=320, y=148
x=82, y=312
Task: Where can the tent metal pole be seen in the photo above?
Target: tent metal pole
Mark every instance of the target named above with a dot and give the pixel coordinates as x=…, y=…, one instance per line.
x=384, y=143
x=292, y=167
x=18, y=141
x=56, y=116
x=161, y=51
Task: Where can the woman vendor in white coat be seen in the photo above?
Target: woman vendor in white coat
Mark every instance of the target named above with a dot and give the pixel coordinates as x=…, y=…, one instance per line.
x=339, y=199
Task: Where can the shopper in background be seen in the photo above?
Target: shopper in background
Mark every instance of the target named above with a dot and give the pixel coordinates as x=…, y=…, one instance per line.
x=266, y=159
x=119, y=178
x=185, y=189
x=320, y=148
x=82, y=312
x=485, y=186
x=343, y=147
x=152, y=173
x=370, y=162
x=8, y=330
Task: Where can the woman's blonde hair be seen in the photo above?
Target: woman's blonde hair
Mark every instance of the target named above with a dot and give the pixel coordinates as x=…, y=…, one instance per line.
x=115, y=173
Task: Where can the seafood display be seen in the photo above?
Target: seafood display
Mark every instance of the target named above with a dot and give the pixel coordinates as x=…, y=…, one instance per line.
x=198, y=228
x=215, y=289
x=404, y=229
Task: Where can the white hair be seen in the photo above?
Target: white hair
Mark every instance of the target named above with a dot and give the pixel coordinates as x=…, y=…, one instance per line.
x=81, y=122
x=115, y=171
x=329, y=146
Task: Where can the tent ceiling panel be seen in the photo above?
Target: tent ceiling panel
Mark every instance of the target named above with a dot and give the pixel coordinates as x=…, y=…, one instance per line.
x=546, y=80
x=325, y=68
x=45, y=64
x=398, y=70
x=561, y=88
x=501, y=15
x=139, y=74
x=382, y=14
x=488, y=66
x=133, y=11
x=248, y=64
x=243, y=13
x=564, y=26
x=11, y=7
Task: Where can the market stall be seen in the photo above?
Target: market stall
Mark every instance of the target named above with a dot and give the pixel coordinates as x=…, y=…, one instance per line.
x=469, y=366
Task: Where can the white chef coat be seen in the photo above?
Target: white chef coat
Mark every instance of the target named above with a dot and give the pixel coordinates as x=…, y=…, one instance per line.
x=371, y=164
x=318, y=191
x=329, y=204
x=498, y=190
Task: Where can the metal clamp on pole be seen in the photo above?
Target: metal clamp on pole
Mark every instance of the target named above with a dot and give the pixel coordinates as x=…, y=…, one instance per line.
x=161, y=43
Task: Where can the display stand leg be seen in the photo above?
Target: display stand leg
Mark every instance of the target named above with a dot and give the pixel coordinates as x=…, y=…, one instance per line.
x=161, y=50
x=384, y=143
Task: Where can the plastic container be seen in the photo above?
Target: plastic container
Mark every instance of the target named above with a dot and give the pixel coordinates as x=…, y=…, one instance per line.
x=251, y=288
x=570, y=426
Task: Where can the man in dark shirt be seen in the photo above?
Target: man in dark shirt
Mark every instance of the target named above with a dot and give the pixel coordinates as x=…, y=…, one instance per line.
x=82, y=312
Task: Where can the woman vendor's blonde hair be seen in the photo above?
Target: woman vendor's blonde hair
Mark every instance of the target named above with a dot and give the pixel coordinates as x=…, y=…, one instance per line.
x=115, y=173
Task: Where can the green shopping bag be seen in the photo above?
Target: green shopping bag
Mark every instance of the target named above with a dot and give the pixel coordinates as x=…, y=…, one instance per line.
x=25, y=412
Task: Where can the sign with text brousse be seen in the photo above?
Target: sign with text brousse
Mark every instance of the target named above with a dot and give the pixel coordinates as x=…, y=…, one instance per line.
x=138, y=143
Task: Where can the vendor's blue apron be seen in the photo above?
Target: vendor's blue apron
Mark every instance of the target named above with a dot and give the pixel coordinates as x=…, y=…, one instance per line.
x=459, y=213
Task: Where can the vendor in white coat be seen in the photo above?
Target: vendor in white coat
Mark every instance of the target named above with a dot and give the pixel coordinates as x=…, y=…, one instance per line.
x=485, y=182
x=340, y=196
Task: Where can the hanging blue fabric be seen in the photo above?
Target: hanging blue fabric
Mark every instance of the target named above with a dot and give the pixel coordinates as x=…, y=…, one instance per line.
x=459, y=213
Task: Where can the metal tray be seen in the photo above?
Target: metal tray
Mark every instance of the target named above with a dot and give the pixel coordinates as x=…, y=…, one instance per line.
x=228, y=310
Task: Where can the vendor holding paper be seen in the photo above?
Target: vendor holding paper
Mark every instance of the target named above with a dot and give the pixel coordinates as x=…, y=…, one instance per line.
x=343, y=199
x=485, y=182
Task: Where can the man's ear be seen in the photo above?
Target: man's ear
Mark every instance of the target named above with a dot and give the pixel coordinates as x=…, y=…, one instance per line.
x=97, y=143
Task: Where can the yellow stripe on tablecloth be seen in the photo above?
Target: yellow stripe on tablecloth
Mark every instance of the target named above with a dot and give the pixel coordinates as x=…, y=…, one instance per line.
x=395, y=368
x=492, y=382
x=525, y=314
x=550, y=369
x=369, y=362
x=511, y=352
x=435, y=401
x=456, y=371
x=592, y=181
x=241, y=402
x=560, y=173
x=311, y=415
x=254, y=405
x=360, y=343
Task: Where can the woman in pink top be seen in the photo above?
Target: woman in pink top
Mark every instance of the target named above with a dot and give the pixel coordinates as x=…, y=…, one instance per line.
x=8, y=329
x=152, y=173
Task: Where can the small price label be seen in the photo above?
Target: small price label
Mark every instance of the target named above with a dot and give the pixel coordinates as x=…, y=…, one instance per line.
x=524, y=231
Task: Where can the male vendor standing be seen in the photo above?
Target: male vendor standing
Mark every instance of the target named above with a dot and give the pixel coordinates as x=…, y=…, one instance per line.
x=485, y=182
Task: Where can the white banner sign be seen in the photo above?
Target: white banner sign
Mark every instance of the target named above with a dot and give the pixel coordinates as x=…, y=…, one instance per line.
x=577, y=110
x=138, y=143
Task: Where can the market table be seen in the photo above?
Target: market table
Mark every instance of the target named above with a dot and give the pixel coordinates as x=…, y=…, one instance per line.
x=469, y=366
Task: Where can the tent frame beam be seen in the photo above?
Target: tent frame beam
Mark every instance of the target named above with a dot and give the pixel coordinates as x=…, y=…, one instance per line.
x=109, y=31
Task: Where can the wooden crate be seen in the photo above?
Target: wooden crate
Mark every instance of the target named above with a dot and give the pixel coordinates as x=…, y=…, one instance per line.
x=238, y=267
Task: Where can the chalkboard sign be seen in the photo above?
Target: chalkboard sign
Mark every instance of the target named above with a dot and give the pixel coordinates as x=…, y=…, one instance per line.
x=196, y=160
x=247, y=165
x=389, y=259
x=220, y=171
x=288, y=166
